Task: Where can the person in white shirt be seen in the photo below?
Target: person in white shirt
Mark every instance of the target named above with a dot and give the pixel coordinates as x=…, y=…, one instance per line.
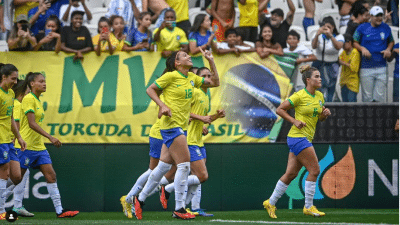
x=67, y=9
x=124, y=8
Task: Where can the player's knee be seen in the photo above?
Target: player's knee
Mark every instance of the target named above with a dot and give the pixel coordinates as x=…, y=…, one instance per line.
x=16, y=179
x=51, y=177
x=290, y=175
x=314, y=172
x=203, y=177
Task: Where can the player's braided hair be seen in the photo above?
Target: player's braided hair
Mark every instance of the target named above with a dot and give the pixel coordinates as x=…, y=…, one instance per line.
x=170, y=63
x=306, y=71
x=29, y=78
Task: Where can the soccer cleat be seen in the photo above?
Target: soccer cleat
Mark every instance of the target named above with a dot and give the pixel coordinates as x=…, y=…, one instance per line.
x=67, y=214
x=201, y=212
x=313, y=211
x=126, y=207
x=191, y=212
x=3, y=216
x=182, y=214
x=23, y=212
x=137, y=208
x=164, y=197
x=270, y=209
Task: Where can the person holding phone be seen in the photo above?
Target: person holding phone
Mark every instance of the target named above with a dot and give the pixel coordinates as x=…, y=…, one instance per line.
x=39, y=15
x=139, y=39
x=50, y=40
x=101, y=41
x=21, y=38
x=74, y=5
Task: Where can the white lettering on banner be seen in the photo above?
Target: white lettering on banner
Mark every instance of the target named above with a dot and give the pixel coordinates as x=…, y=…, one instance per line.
x=35, y=188
x=393, y=187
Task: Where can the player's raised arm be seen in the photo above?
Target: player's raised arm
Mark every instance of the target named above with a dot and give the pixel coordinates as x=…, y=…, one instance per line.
x=214, y=80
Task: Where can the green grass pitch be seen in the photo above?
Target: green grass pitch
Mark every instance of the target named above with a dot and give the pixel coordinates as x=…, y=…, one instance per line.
x=285, y=216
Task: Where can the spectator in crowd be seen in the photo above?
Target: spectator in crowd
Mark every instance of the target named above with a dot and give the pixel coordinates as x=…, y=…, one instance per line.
x=349, y=79
x=6, y=19
x=280, y=27
x=375, y=42
x=346, y=8
x=242, y=46
x=181, y=8
x=328, y=43
x=223, y=12
x=248, y=22
x=361, y=15
x=76, y=38
x=21, y=38
x=39, y=15
x=266, y=43
x=229, y=46
x=74, y=5
x=140, y=39
x=50, y=40
x=305, y=54
x=308, y=20
x=124, y=9
x=200, y=35
x=101, y=42
x=395, y=54
x=158, y=7
x=393, y=7
x=22, y=7
x=168, y=37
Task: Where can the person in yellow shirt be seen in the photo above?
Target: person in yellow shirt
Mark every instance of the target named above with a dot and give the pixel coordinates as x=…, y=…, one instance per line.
x=181, y=8
x=308, y=104
x=8, y=130
x=36, y=156
x=101, y=41
x=22, y=7
x=248, y=22
x=177, y=86
x=170, y=38
x=349, y=79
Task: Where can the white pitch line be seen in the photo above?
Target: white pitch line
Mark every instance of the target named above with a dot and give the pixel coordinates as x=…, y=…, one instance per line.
x=285, y=222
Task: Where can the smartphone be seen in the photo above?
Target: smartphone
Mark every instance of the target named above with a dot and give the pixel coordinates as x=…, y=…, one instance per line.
x=47, y=32
x=104, y=30
x=24, y=27
x=145, y=40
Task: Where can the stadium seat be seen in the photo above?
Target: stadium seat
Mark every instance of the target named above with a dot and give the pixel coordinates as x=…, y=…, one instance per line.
x=92, y=29
x=3, y=46
x=299, y=30
x=193, y=12
x=279, y=4
x=395, y=33
x=312, y=30
x=328, y=12
x=95, y=4
x=342, y=30
x=298, y=17
x=97, y=13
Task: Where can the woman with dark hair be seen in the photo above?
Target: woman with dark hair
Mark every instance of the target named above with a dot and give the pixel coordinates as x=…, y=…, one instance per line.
x=101, y=41
x=200, y=35
x=308, y=104
x=327, y=43
x=177, y=86
x=50, y=40
x=8, y=129
x=139, y=39
x=21, y=38
x=76, y=38
x=36, y=156
x=360, y=15
x=266, y=44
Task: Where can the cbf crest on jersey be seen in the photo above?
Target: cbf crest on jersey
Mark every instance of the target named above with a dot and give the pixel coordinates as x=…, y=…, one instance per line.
x=178, y=37
x=5, y=154
x=26, y=162
x=192, y=83
x=382, y=36
x=320, y=103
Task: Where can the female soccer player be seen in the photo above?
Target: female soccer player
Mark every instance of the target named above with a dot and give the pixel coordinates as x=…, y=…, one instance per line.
x=309, y=107
x=177, y=86
x=36, y=155
x=199, y=111
x=8, y=129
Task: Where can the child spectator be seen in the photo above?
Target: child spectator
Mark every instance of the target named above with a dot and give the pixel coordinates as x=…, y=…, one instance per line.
x=124, y=9
x=76, y=38
x=230, y=45
x=223, y=12
x=140, y=39
x=21, y=39
x=349, y=79
x=181, y=8
x=39, y=15
x=168, y=37
x=67, y=9
x=280, y=27
x=328, y=43
x=51, y=39
x=305, y=54
x=266, y=44
x=395, y=54
x=361, y=15
x=248, y=22
x=102, y=42
x=201, y=36
x=242, y=46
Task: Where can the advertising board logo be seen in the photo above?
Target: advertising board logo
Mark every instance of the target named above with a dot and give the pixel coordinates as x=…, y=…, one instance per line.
x=335, y=180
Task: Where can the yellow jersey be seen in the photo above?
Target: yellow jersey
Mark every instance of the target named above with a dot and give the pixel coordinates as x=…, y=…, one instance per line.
x=34, y=141
x=171, y=40
x=117, y=44
x=178, y=91
x=6, y=111
x=248, y=14
x=17, y=110
x=349, y=75
x=24, y=9
x=201, y=106
x=181, y=8
x=307, y=108
x=155, y=129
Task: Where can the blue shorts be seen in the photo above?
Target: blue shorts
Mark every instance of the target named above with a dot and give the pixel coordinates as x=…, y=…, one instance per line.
x=296, y=145
x=15, y=154
x=5, y=150
x=155, y=147
x=170, y=134
x=197, y=153
x=33, y=159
